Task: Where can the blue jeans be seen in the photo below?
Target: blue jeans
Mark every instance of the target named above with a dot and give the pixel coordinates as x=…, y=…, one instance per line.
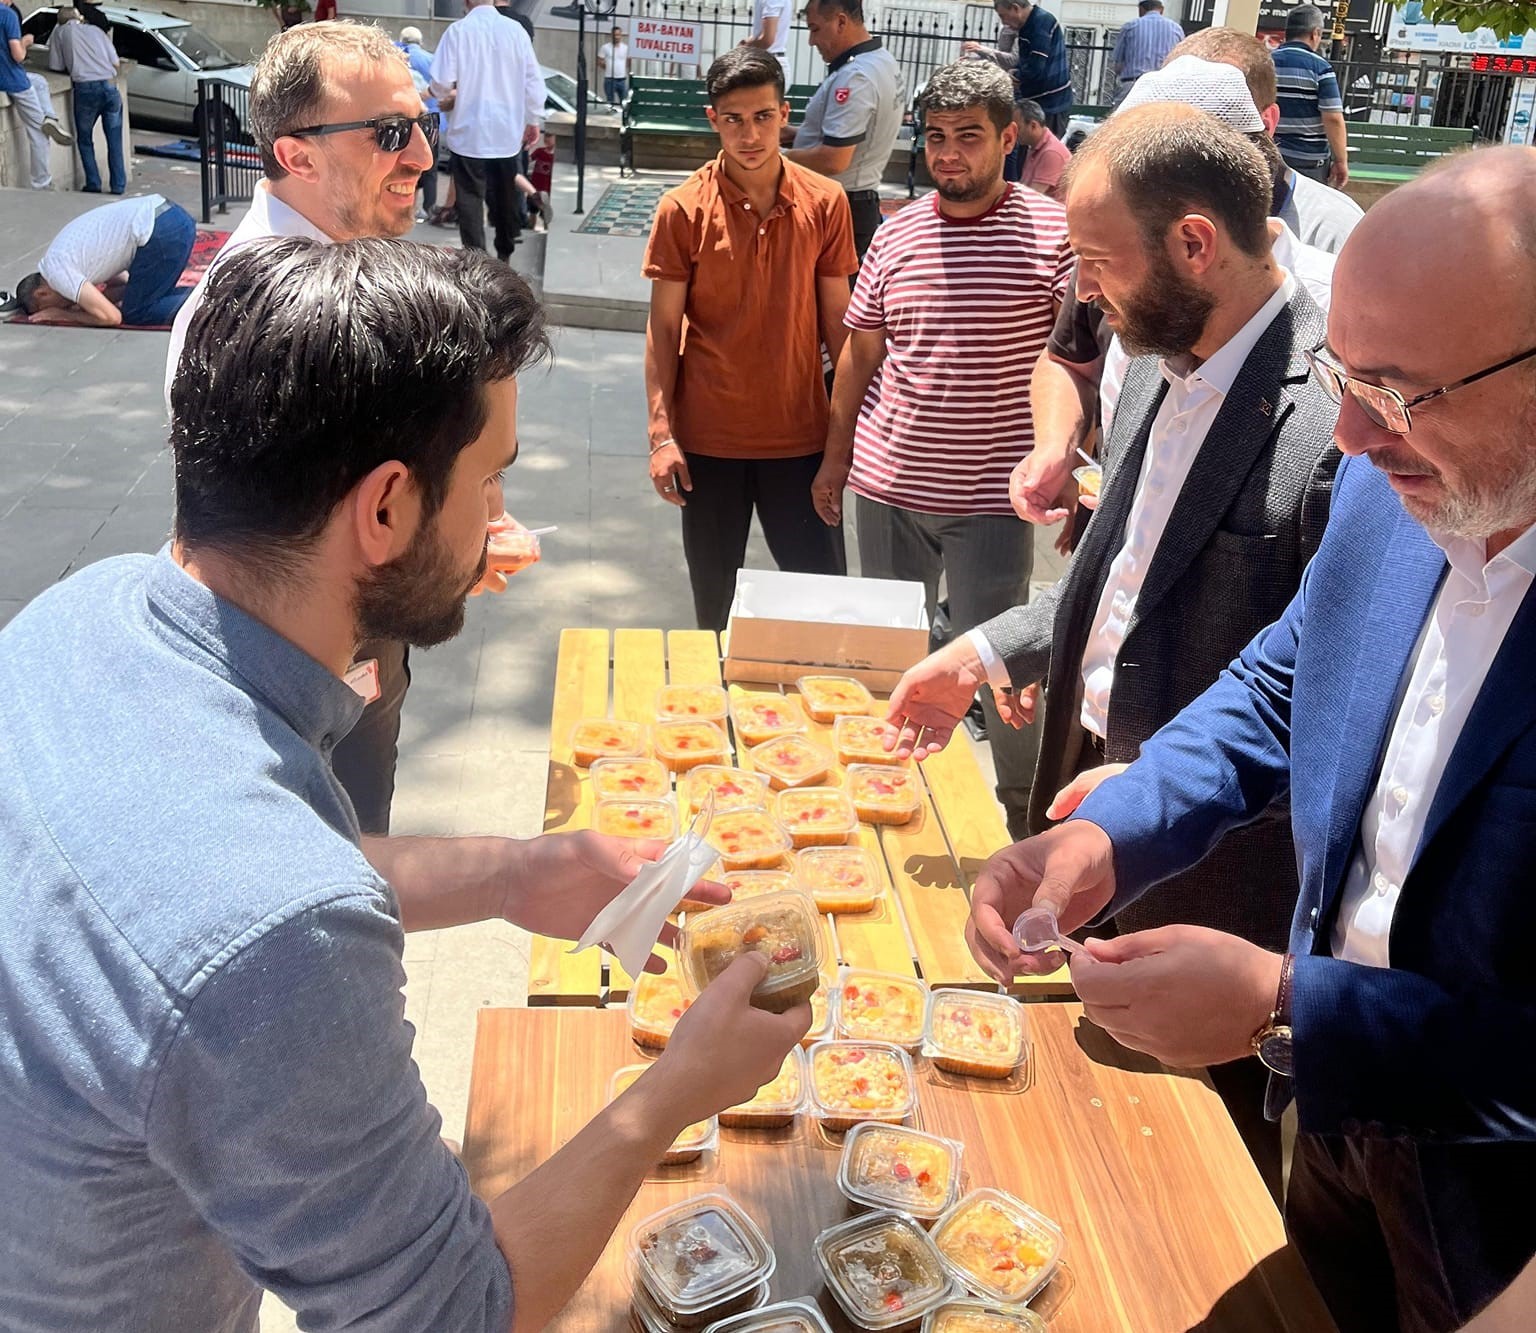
x=100, y=100
x=614, y=90
x=152, y=296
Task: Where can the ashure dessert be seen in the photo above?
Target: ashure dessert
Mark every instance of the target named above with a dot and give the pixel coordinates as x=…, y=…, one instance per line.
x=734, y=788
x=691, y=703
x=684, y=745
x=979, y=1317
x=815, y=816
x=879, y=1006
x=999, y=1247
x=791, y=761
x=821, y=1016
x=828, y=698
x=600, y=738
x=783, y=927
x=688, y=1146
x=748, y=840
x=701, y=1259
x=884, y=793
x=636, y=819
x=629, y=779
x=776, y=1103
x=860, y=1080
x=766, y=716
x=655, y=1004
x=890, y=1166
x=754, y=883
x=882, y=1269
x=972, y=1032
x=861, y=740
x=840, y=879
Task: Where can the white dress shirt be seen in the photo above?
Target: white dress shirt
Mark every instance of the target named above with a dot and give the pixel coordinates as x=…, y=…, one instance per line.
x=1466, y=626
x=500, y=91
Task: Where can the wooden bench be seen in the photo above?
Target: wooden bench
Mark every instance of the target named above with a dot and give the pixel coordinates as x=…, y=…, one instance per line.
x=675, y=109
x=1393, y=154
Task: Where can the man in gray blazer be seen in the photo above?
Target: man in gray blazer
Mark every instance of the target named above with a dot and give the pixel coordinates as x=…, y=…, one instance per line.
x=1217, y=477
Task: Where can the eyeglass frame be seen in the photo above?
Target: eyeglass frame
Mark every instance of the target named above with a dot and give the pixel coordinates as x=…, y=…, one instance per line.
x=1336, y=381
x=422, y=122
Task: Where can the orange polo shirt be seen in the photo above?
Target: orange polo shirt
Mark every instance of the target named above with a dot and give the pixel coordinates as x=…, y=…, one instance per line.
x=750, y=382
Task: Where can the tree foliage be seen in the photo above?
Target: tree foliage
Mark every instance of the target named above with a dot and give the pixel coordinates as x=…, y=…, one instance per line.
x=1508, y=18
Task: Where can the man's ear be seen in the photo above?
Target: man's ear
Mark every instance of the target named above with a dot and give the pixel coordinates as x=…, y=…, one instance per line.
x=1271, y=118
x=384, y=512
x=1010, y=137
x=1192, y=242
x=298, y=157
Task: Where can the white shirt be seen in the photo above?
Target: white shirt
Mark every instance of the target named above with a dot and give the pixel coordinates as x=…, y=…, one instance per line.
x=268, y=216
x=98, y=245
x=615, y=60
x=1466, y=626
x=85, y=51
x=500, y=89
x=773, y=9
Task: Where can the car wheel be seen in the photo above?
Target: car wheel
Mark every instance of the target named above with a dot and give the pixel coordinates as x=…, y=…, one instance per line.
x=225, y=125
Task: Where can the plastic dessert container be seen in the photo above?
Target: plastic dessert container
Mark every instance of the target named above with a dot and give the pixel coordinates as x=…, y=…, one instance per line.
x=881, y=1006
x=776, y=1103
x=645, y=1316
x=656, y=1001
x=830, y=697
x=766, y=716
x=791, y=761
x=684, y=745
x=821, y=1016
x=1089, y=478
x=734, y=788
x=748, y=840
x=636, y=819
x=601, y=738
x=998, y=1247
x=840, y=879
x=815, y=816
x=691, y=703
x=688, y=1146
x=754, y=883
x=973, y=1032
x=630, y=780
x=882, y=1269
x=700, y=1260
x=782, y=926
x=861, y=740
x=852, y=1081
x=967, y=1316
x=780, y=1317
x=890, y=1166
x=884, y=793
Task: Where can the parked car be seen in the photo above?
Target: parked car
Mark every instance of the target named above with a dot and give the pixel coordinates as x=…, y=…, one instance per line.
x=168, y=54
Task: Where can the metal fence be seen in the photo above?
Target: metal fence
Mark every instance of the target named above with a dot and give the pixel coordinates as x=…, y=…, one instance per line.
x=231, y=166
x=1454, y=92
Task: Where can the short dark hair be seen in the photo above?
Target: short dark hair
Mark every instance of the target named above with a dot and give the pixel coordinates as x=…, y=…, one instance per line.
x=853, y=9
x=1184, y=163
x=1302, y=20
x=306, y=366
x=1030, y=111
x=968, y=83
x=26, y=290
x=1147, y=6
x=1243, y=51
x=743, y=67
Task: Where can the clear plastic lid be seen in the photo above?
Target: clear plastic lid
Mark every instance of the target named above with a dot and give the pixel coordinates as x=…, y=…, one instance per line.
x=682, y=745
x=829, y=697
x=839, y=879
x=1089, y=478
x=885, y=792
x=699, y=1253
x=745, y=884
x=882, y=1269
x=747, y=839
x=630, y=779
x=800, y=1316
x=597, y=738
x=656, y=1001
x=648, y=1317
x=734, y=788
x=791, y=761
x=861, y=1080
x=692, y=703
x=999, y=1247
x=861, y=740
x=636, y=819
x=759, y=717
x=968, y=1316
x=968, y=1027
x=701, y=1136
x=881, y=1006
x=783, y=1096
x=782, y=926
x=815, y=815
x=821, y=1017
x=891, y=1166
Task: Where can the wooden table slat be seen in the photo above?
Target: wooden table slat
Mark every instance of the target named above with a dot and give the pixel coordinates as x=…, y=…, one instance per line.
x=693, y=657
x=639, y=671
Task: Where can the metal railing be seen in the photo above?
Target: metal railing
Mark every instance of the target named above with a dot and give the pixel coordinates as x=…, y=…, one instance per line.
x=231, y=166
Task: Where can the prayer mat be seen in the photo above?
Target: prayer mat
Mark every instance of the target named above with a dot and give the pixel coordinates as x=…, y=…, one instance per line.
x=626, y=208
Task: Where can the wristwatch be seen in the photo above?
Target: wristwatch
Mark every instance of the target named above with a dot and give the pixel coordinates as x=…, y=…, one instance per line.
x=1272, y=1042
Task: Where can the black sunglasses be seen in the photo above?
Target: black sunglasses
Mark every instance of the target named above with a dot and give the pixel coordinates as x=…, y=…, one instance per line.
x=391, y=133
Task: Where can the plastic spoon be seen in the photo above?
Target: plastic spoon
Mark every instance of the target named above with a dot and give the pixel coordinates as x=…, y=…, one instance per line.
x=1088, y=458
x=1036, y=931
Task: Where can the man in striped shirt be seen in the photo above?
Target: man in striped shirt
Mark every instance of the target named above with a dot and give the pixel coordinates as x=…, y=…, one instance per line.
x=1312, y=136
x=1144, y=43
x=930, y=407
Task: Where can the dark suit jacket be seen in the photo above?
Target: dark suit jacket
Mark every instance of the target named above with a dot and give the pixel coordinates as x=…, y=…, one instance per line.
x=1248, y=519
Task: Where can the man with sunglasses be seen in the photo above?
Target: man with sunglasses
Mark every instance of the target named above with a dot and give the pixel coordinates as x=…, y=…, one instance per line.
x=1392, y=703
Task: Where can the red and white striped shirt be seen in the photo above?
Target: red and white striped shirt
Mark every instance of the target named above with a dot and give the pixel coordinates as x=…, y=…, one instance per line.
x=966, y=305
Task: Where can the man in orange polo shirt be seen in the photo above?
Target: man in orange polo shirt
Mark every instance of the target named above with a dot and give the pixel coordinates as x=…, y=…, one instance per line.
x=749, y=261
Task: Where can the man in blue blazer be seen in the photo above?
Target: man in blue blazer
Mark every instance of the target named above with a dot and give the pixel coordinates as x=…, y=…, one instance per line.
x=1394, y=703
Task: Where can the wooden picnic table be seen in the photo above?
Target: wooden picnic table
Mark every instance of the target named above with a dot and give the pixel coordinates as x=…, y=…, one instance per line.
x=1168, y=1225
x=928, y=863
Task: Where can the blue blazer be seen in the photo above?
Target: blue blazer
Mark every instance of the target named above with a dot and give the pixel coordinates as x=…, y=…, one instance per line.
x=1441, y=1046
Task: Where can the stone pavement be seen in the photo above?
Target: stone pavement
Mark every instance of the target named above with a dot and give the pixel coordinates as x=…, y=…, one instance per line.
x=87, y=475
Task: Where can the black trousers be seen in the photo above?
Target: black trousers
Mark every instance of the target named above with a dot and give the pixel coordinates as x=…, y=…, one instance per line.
x=865, y=206
x=364, y=760
x=718, y=517
x=487, y=184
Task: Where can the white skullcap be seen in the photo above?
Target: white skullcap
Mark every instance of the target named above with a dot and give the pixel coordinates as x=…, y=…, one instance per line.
x=1217, y=89
x=412, y=35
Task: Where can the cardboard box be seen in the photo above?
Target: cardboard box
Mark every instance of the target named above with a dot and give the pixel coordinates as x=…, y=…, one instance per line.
x=784, y=626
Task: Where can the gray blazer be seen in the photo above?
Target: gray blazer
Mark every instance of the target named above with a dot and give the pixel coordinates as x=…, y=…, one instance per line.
x=1248, y=519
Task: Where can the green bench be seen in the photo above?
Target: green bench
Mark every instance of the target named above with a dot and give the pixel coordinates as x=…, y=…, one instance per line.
x=676, y=107
x=1393, y=154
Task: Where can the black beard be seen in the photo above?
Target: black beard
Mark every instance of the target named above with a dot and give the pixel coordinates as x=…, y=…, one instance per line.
x=418, y=598
x=1166, y=315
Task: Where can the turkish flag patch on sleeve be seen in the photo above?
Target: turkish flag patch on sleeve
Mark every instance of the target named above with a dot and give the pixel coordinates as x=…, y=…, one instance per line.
x=841, y=95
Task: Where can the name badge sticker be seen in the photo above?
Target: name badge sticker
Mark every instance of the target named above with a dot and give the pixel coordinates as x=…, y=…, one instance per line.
x=363, y=679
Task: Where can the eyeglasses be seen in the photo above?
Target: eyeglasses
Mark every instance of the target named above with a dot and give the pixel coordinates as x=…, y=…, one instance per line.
x=391, y=133
x=1386, y=407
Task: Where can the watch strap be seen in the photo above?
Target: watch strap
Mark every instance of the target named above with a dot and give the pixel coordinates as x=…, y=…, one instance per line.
x=1282, y=1016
